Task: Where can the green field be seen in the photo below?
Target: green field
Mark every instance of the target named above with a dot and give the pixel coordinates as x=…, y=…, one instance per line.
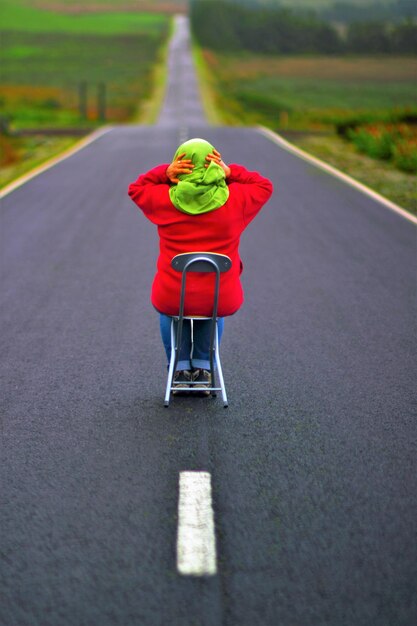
x=36, y=61
x=22, y=16
x=47, y=55
x=309, y=91
x=308, y=98
x=47, y=49
x=318, y=4
x=311, y=94
x=94, y=6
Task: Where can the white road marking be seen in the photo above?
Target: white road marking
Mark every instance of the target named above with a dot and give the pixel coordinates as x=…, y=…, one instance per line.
x=196, y=543
x=57, y=159
x=280, y=141
x=183, y=134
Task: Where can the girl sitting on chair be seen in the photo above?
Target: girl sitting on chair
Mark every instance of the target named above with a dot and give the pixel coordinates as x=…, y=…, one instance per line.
x=199, y=204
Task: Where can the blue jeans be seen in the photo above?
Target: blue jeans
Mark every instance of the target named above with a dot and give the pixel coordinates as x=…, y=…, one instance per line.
x=190, y=356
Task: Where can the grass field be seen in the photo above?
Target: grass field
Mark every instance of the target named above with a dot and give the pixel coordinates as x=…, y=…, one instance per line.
x=25, y=154
x=47, y=49
x=95, y=6
x=35, y=61
x=26, y=16
x=305, y=95
x=381, y=176
x=306, y=92
x=312, y=4
x=48, y=54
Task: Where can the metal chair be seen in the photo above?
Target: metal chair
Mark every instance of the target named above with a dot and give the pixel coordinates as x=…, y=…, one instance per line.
x=198, y=262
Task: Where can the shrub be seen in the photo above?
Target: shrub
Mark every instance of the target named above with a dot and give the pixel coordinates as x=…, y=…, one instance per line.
x=346, y=123
x=405, y=155
x=376, y=141
x=8, y=151
x=51, y=103
x=397, y=142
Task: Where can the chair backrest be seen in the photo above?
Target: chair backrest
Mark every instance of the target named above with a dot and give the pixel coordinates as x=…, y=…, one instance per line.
x=201, y=262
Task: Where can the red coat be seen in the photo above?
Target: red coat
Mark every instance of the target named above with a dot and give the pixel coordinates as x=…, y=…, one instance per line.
x=215, y=231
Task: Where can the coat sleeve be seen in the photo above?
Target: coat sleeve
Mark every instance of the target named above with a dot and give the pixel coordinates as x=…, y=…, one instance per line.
x=151, y=192
x=254, y=190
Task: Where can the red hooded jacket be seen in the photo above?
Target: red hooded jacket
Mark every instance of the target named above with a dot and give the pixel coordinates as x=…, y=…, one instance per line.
x=216, y=231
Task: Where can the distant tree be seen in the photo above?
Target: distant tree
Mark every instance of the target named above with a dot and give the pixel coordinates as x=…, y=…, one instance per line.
x=227, y=25
x=368, y=38
x=232, y=25
x=407, y=9
x=348, y=12
x=404, y=37
x=328, y=40
x=213, y=24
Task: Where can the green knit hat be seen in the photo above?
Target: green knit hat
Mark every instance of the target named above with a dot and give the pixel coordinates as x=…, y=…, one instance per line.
x=205, y=189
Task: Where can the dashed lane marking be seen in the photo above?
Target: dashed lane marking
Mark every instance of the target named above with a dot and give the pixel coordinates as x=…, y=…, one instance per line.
x=196, y=542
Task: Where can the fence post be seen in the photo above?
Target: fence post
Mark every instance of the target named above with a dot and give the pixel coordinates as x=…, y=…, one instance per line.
x=101, y=102
x=283, y=119
x=82, y=100
x=4, y=125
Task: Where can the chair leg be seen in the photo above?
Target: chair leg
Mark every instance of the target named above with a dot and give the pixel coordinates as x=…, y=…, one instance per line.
x=171, y=367
x=212, y=355
x=220, y=371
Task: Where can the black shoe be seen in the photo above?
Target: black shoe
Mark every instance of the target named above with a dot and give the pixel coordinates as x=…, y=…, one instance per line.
x=203, y=378
x=181, y=382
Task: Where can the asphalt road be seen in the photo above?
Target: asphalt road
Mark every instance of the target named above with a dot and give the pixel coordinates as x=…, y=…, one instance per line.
x=313, y=464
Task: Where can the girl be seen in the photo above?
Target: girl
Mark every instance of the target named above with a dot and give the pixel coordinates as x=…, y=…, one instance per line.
x=199, y=204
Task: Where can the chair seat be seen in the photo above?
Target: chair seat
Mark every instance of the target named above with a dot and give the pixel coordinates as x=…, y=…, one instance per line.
x=191, y=317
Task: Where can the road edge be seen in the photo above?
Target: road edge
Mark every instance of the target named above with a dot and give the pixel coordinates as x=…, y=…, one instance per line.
x=39, y=169
x=286, y=145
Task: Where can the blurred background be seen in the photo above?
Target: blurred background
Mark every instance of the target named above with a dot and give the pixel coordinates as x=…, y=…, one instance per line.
x=337, y=78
